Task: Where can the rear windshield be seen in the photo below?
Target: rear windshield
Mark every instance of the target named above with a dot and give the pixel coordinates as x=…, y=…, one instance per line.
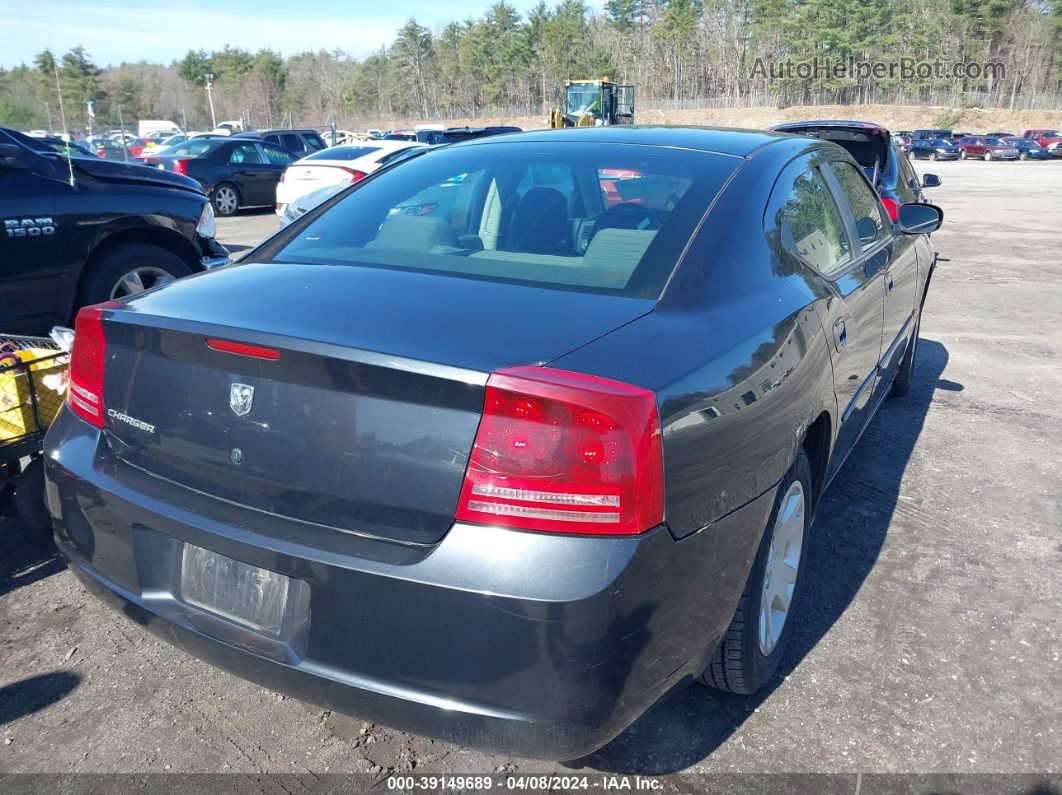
x=608, y=218
x=343, y=153
x=192, y=148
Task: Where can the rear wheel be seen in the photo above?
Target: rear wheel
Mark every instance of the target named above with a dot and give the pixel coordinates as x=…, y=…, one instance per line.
x=988, y=155
x=128, y=270
x=902, y=382
x=932, y=155
x=1023, y=156
x=962, y=154
x=225, y=198
x=752, y=648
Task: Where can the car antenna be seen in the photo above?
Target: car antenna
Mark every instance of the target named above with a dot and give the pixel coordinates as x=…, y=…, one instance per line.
x=62, y=115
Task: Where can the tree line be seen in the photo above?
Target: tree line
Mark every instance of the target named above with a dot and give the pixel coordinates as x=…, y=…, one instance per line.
x=719, y=52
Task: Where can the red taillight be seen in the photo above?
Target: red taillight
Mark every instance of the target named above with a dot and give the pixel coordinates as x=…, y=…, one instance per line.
x=101, y=153
x=892, y=207
x=243, y=349
x=85, y=394
x=566, y=453
x=355, y=175
x=180, y=167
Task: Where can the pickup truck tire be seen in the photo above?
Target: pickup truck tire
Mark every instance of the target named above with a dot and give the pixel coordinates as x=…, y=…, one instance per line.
x=126, y=270
x=226, y=198
x=29, y=499
x=740, y=663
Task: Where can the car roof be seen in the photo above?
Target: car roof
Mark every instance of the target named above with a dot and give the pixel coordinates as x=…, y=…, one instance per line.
x=260, y=133
x=376, y=146
x=721, y=140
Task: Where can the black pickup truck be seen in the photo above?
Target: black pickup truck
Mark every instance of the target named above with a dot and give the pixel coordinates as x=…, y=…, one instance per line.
x=80, y=230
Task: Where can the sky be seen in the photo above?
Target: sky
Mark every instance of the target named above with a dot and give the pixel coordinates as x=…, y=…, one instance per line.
x=162, y=30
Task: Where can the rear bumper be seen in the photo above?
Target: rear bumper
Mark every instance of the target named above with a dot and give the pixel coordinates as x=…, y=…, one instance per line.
x=523, y=643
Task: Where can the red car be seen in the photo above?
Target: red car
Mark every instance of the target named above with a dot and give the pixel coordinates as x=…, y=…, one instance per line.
x=986, y=148
x=1051, y=140
x=136, y=146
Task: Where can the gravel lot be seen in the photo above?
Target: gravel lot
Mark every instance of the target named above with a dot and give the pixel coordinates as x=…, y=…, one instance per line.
x=931, y=635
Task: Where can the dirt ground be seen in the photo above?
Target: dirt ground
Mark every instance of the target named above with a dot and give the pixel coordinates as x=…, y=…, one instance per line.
x=929, y=640
x=895, y=117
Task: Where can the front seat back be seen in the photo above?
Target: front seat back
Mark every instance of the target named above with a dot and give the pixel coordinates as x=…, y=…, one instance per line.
x=540, y=223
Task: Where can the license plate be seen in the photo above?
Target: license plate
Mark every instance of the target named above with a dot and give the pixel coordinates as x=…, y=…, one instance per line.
x=238, y=591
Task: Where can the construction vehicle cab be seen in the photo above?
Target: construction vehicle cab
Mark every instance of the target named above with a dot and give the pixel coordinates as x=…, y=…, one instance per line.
x=594, y=103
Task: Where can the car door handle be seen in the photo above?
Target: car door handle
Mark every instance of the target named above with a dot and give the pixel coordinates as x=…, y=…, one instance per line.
x=889, y=286
x=840, y=335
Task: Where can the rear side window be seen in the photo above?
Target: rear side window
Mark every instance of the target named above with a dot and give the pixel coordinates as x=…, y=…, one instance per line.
x=871, y=222
x=245, y=153
x=812, y=225
x=277, y=155
x=908, y=183
x=292, y=142
x=525, y=212
x=313, y=141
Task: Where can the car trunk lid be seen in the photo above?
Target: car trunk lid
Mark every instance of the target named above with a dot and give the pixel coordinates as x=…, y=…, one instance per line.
x=359, y=413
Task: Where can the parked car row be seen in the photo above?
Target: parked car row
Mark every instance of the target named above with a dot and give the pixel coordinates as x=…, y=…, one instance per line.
x=939, y=144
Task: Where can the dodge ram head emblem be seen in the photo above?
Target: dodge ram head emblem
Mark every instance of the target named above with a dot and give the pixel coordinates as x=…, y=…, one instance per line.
x=241, y=397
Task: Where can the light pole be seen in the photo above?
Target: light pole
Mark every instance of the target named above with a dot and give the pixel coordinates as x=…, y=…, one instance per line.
x=210, y=98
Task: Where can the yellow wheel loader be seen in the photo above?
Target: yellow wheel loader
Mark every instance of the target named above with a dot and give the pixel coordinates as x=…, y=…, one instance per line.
x=594, y=103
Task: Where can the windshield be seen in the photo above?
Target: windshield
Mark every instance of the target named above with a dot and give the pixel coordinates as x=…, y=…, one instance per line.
x=584, y=99
x=606, y=218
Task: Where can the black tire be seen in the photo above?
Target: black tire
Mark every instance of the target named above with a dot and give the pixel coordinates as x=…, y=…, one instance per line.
x=8, y=481
x=988, y=156
x=905, y=374
x=1023, y=156
x=738, y=664
x=933, y=156
x=105, y=275
x=29, y=499
x=962, y=154
x=224, y=208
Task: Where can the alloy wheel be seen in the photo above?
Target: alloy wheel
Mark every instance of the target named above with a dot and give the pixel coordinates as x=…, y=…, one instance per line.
x=226, y=201
x=140, y=279
x=783, y=564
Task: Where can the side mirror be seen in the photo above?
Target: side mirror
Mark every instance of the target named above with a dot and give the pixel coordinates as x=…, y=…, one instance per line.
x=930, y=181
x=919, y=219
x=12, y=156
x=867, y=230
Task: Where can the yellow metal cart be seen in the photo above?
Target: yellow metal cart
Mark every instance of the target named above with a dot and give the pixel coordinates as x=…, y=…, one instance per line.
x=33, y=373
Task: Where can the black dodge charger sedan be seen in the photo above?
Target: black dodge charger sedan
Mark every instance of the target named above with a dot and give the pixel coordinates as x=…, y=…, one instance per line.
x=233, y=172
x=502, y=444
